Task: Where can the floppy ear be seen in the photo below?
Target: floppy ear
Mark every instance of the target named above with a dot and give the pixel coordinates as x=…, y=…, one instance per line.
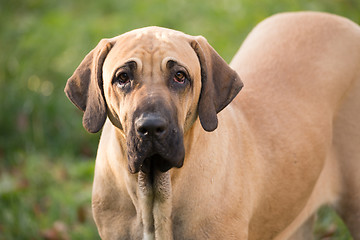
x=85, y=87
x=220, y=83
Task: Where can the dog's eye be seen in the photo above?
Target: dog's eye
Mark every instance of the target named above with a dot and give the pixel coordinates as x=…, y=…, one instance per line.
x=122, y=78
x=180, y=77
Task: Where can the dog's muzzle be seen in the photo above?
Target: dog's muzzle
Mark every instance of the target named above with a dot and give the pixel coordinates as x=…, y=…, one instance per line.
x=155, y=142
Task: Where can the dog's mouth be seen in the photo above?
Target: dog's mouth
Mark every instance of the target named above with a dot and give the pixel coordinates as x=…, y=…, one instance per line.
x=156, y=162
x=148, y=155
x=153, y=162
x=153, y=167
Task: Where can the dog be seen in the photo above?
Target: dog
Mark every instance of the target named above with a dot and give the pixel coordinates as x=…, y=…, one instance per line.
x=182, y=155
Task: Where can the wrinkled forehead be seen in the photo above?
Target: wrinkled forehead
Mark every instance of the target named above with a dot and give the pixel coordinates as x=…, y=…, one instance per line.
x=155, y=46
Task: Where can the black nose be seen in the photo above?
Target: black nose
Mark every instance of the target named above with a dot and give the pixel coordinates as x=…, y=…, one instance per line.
x=151, y=125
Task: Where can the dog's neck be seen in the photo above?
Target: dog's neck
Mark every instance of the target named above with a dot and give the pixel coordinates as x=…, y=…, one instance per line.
x=155, y=202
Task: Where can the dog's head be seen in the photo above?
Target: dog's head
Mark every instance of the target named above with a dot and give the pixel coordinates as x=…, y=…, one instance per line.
x=153, y=83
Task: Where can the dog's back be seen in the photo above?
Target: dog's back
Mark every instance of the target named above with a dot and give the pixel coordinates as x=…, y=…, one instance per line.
x=301, y=73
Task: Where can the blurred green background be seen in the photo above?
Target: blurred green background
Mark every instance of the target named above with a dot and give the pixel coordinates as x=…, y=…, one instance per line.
x=46, y=157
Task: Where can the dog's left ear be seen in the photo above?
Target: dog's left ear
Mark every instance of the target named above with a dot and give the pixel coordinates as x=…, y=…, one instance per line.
x=85, y=87
x=220, y=83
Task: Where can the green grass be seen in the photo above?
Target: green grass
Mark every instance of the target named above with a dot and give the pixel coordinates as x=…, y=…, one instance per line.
x=45, y=171
x=330, y=226
x=42, y=198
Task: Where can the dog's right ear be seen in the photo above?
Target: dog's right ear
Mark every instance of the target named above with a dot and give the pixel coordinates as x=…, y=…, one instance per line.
x=85, y=87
